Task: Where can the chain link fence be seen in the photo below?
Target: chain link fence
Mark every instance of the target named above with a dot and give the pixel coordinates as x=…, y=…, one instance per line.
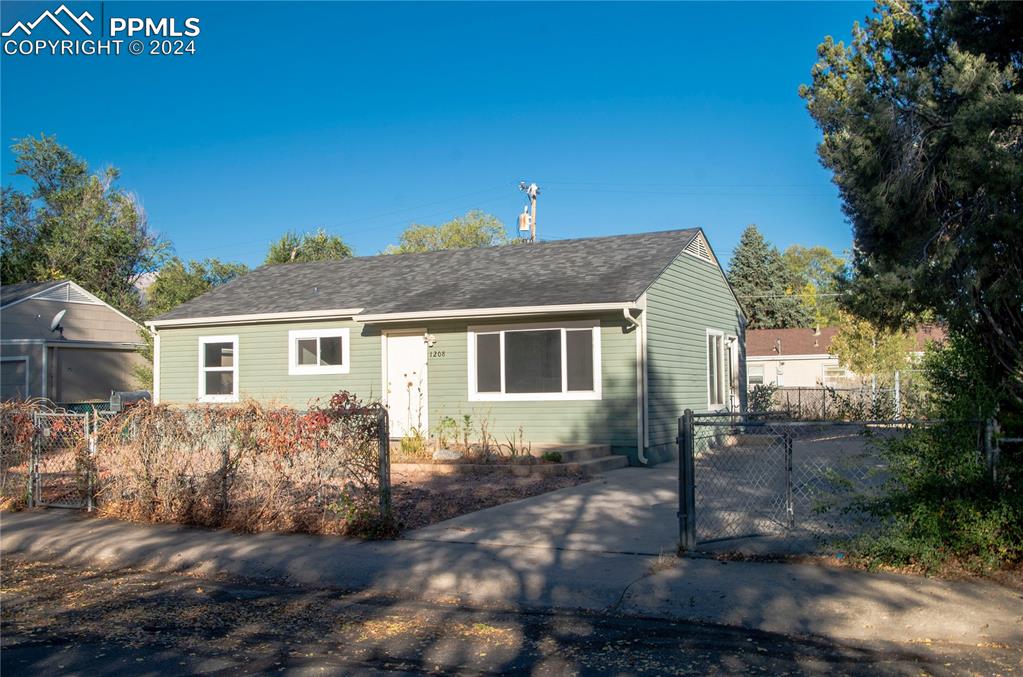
x=906, y=399
x=45, y=455
x=767, y=476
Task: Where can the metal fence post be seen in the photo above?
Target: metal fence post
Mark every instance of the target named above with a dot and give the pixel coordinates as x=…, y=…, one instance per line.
x=225, y=460
x=384, y=451
x=991, y=450
x=33, y=461
x=790, y=507
x=898, y=395
x=686, y=483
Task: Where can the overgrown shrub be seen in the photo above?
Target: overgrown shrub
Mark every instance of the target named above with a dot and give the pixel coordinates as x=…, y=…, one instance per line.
x=246, y=467
x=16, y=433
x=942, y=506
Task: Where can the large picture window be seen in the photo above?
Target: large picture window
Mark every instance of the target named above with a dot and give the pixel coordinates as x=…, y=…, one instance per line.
x=318, y=351
x=535, y=362
x=218, y=369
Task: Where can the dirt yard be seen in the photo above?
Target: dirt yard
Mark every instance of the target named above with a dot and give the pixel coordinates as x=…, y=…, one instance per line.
x=422, y=498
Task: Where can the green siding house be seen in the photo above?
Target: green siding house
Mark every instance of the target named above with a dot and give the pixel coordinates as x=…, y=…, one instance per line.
x=591, y=341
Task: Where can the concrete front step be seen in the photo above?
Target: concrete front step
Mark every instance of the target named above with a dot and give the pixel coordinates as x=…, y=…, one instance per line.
x=572, y=453
x=594, y=466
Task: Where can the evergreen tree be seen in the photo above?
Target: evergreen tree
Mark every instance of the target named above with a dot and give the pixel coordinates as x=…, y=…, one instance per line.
x=320, y=245
x=762, y=282
x=922, y=123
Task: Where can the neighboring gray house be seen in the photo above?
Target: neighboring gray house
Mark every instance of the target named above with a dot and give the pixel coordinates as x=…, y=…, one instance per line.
x=600, y=340
x=96, y=354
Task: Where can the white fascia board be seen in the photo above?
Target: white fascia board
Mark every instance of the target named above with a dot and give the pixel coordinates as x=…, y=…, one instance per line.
x=256, y=318
x=511, y=311
x=782, y=358
x=71, y=343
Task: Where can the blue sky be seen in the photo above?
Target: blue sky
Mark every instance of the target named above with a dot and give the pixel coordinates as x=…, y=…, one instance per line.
x=364, y=118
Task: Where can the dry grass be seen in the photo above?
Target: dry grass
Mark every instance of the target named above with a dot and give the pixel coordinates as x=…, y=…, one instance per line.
x=421, y=498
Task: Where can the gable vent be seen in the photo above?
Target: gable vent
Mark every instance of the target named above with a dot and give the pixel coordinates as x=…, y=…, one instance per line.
x=66, y=293
x=698, y=248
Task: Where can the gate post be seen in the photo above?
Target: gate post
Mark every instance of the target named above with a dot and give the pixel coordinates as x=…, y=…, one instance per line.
x=686, y=483
x=790, y=505
x=33, y=461
x=384, y=451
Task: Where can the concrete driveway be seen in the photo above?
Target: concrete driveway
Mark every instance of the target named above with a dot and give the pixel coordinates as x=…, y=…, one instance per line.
x=630, y=511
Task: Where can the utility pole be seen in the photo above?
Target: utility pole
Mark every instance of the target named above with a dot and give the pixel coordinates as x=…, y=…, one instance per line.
x=531, y=191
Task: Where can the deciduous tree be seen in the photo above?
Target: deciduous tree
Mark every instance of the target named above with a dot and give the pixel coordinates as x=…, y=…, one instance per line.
x=74, y=224
x=812, y=274
x=871, y=351
x=294, y=247
x=475, y=229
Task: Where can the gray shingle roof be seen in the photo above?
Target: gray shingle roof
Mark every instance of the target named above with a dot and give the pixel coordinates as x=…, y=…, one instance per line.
x=614, y=269
x=9, y=293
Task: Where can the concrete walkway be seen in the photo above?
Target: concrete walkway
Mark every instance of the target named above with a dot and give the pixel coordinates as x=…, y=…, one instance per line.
x=627, y=511
x=792, y=599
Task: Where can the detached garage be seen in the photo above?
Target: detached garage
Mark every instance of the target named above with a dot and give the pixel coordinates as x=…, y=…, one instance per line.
x=93, y=351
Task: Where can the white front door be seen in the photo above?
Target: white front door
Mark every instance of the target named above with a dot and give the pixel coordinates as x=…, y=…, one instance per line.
x=405, y=368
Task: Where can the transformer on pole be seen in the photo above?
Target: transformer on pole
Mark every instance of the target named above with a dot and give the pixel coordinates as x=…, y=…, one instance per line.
x=532, y=191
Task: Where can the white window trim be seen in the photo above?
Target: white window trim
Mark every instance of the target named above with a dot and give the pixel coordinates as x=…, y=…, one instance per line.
x=296, y=369
x=711, y=405
x=595, y=394
x=233, y=340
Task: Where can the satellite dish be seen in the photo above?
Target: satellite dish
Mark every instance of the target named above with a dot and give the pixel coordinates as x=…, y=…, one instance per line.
x=55, y=322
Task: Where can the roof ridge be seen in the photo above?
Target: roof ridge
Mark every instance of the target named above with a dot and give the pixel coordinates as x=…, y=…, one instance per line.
x=436, y=252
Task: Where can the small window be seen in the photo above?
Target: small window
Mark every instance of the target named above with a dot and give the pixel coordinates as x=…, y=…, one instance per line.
x=838, y=377
x=755, y=374
x=318, y=351
x=716, y=375
x=218, y=369
x=535, y=362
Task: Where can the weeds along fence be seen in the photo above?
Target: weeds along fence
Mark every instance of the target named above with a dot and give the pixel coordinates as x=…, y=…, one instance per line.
x=800, y=482
x=907, y=401
x=246, y=467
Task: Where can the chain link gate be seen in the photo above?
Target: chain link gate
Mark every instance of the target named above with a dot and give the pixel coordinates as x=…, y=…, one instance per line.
x=60, y=474
x=742, y=477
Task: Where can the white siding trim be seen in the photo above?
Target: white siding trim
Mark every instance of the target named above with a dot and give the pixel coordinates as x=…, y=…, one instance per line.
x=257, y=318
x=512, y=311
x=156, y=369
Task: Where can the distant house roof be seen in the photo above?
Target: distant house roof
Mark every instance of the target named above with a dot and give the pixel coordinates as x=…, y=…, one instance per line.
x=596, y=270
x=773, y=342
x=11, y=293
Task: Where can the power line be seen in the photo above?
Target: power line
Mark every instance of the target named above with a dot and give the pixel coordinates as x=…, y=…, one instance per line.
x=263, y=241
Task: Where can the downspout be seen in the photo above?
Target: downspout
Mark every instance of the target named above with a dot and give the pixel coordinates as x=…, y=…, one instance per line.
x=640, y=385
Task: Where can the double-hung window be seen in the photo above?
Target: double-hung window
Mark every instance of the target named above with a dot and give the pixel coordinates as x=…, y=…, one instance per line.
x=535, y=362
x=717, y=382
x=318, y=351
x=218, y=368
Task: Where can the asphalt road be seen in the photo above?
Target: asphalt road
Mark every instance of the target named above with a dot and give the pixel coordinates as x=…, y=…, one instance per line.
x=64, y=620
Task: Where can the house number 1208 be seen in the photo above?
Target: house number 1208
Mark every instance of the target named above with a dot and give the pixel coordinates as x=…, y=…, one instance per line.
x=436, y=353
